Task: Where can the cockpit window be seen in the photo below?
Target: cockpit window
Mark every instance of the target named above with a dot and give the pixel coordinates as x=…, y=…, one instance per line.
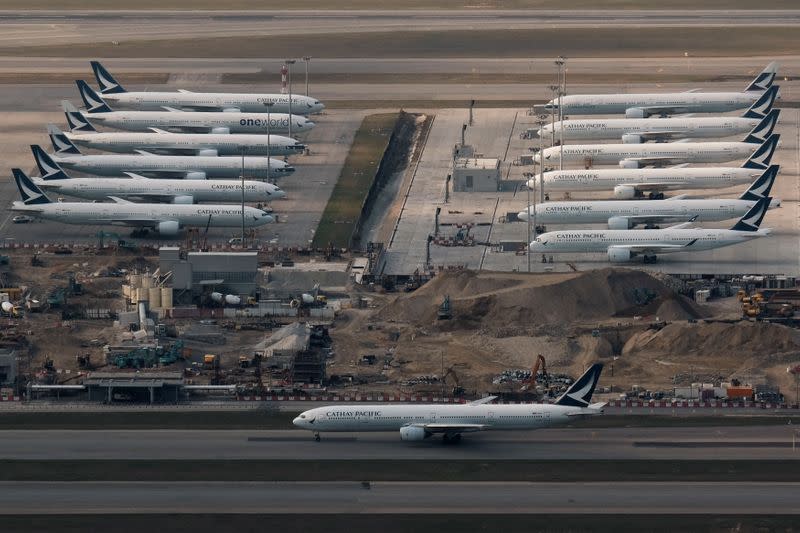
x=302, y=416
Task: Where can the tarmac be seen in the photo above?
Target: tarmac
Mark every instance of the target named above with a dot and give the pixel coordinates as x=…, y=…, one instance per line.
x=398, y=497
x=665, y=443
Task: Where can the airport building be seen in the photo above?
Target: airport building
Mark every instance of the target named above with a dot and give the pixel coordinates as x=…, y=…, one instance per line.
x=476, y=174
x=8, y=366
x=198, y=272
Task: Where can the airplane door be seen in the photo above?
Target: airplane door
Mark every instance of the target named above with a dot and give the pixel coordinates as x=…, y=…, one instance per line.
x=490, y=416
x=432, y=417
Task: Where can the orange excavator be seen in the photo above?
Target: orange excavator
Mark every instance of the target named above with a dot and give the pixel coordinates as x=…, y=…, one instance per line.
x=540, y=363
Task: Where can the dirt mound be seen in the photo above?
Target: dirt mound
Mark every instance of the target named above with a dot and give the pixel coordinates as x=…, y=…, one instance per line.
x=499, y=301
x=715, y=339
x=678, y=308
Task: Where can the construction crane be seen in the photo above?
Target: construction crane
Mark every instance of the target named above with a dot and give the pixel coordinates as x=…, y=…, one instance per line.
x=540, y=363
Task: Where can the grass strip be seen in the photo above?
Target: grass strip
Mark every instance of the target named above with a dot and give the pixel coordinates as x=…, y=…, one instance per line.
x=518, y=43
x=404, y=470
x=344, y=206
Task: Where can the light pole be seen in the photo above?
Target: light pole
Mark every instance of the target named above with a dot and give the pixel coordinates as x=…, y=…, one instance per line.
x=289, y=63
x=542, y=122
x=244, y=149
x=527, y=186
x=555, y=89
x=562, y=91
x=269, y=108
x=306, y=59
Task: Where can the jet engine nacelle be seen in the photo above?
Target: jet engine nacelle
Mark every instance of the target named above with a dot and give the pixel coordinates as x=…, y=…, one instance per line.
x=168, y=228
x=195, y=175
x=619, y=223
x=624, y=192
x=635, y=112
x=183, y=199
x=210, y=152
x=619, y=255
x=628, y=163
x=413, y=433
x=220, y=129
x=631, y=138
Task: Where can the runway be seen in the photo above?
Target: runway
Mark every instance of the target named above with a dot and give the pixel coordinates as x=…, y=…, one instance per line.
x=710, y=443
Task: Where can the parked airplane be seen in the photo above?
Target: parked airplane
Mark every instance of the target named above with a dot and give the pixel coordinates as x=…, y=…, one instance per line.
x=140, y=188
x=627, y=214
x=630, y=183
x=662, y=154
x=187, y=121
x=113, y=91
x=166, y=219
x=164, y=142
x=645, y=105
x=639, y=130
x=624, y=245
x=164, y=166
x=418, y=422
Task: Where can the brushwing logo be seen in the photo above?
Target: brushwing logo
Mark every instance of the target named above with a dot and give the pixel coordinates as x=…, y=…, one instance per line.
x=60, y=143
x=107, y=85
x=76, y=121
x=763, y=154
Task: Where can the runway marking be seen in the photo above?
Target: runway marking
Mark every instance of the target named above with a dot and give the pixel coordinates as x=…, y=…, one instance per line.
x=299, y=439
x=714, y=444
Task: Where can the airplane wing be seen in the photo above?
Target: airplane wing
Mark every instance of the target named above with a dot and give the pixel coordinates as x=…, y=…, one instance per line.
x=648, y=161
x=654, y=248
x=144, y=152
x=654, y=219
x=184, y=91
x=677, y=197
x=157, y=130
x=660, y=135
x=169, y=108
x=136, y=176
x=692, y=91
x=153, y=197
x=664, y=110
x=481, y=401
x=657, y=186
x=452, y=428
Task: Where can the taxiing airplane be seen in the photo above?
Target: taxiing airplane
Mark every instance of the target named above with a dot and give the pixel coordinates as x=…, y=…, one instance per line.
x=639, y=130
x=113, y=91
x=628, y=183
x=140, y=188
x=627, y=214
x=661, y=154
x=159, y=141
x=187, y=121
x=645, y=105
x=625, y=245
x=419, y=422
x=166, y=219
x=163, y=166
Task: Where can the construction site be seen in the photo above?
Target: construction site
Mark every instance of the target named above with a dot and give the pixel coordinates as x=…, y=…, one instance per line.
x=114, y=324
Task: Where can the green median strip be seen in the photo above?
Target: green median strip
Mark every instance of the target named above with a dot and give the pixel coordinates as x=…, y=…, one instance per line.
x=405, y=470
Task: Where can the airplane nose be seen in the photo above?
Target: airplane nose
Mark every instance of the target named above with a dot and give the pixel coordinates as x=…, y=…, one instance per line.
x=523, y=215
x=298, y=422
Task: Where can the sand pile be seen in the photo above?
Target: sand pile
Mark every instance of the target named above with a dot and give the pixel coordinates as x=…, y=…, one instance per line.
x=489, y=300
x=715, y=340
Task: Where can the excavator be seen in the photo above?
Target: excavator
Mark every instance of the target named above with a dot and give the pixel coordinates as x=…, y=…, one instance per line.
x=540, y=363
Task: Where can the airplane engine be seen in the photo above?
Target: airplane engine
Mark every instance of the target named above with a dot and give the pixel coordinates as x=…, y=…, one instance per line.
x=195, y=175
x=627, y=163
x=184, y=199
x=168, y=228
x=619, y=223
x=413, y=433
x=631, y=138
x=635, y=112
x=619, y=255
x=220, y=130
x=211, y=152
x=624, y=192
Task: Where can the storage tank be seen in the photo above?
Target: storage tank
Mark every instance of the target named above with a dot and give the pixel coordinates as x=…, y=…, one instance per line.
x=136, y=280
x=142, y=294
x=147, y=281
x=166, y=297
x=126, y=291
x=154, y=293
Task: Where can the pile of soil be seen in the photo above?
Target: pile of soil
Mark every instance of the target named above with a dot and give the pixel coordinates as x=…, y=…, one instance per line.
x=492, y=301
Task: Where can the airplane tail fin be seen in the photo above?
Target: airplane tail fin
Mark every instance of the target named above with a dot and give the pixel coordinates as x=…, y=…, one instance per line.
x=30, y=193
x=764, y=80
x=61, y=143
x=579, y=394
x=762, y=156
x=93, y=101
x=764, y=104
x=752, y=219
x=764, y=128
x=762, y=186
x=107, y=83
x=48, y=168
x=76, y=120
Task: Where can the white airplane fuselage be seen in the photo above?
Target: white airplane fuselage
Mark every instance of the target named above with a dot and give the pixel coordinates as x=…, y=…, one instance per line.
x=202, y=121
x=382, y=417
x=658, y=178
x=635, y=130
x=181, y=191
x=145, y=215
x=686, y=102
x=243, y=102
x=632, y=155
x=187, y=143
x=200, y=167
x=580, y=241
x=615, y=211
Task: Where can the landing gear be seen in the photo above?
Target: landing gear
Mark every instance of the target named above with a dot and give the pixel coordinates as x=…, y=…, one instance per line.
x=140, y=232
x=649, y=258
x=652, y=226
x=316, y=436
x=451, y=439
x=656, y=195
